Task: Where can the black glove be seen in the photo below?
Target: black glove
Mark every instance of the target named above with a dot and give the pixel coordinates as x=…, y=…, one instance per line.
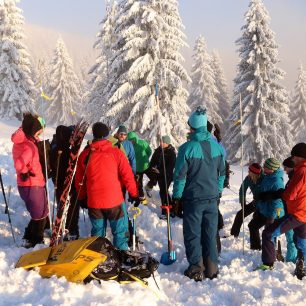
x=135, y=201
x=177, y=207
x=270, y=195
x=269, y=220
x=83, y=203
x=25, y=176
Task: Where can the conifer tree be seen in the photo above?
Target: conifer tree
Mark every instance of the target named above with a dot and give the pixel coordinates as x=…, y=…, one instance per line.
x=147, y=50
x=16, y=86
x=204, y=91
x=222, y=97
x=265, y=128
x=96, y=97
x=63, y=88
x=298, y=108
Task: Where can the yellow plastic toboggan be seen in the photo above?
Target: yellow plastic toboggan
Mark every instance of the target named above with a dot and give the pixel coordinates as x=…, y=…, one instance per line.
x=70, y=259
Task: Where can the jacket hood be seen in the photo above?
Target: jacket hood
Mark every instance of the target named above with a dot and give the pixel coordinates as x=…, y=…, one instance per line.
x=101, y=145
x=200, y=134
x=19, y=136
x=132, y=136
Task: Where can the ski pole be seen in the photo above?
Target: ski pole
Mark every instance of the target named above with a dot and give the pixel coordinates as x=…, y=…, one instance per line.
x=3, y=192
x=242, y=174
x=59, y=154
x=137, y=212
x=169, y=257
x=8, y=212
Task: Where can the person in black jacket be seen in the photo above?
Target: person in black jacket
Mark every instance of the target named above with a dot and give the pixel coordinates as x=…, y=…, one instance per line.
x=61, y=143
x=156, y=172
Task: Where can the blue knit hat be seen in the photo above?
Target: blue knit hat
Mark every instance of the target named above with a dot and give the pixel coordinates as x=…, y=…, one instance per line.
x=198, y=118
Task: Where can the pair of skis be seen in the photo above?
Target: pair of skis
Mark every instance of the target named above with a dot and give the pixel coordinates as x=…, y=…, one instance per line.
x=64, y=202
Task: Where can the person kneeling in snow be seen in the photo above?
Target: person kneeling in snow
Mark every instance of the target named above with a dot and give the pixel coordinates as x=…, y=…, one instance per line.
x=30, y=178
x=198, y=180
x=104, y=168
x=295, y=197
x=267, y=211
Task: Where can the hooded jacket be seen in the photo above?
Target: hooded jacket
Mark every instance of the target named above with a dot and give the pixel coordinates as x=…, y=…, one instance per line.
x=107, y=170
x=26, y=159
x=142, y=152
x=272, y=208
x=200, y=168
x=295, y=193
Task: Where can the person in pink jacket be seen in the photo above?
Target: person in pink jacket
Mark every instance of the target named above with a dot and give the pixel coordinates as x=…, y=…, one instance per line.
x=30, y=179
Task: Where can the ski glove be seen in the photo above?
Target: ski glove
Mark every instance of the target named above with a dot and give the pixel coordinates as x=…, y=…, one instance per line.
x=135, y=201
x=270, y=195
x=25, y=176
x=178, y=207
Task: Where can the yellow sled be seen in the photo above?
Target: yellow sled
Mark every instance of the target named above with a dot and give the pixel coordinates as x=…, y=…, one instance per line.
x=70, y=259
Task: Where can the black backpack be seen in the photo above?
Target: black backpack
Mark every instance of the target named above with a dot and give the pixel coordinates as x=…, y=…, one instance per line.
x=122, y=266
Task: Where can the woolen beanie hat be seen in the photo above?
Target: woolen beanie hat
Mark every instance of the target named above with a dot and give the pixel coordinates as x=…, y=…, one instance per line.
x=255, y=168
x=30, y=124
x=288, y=162
x=272, y=164
x=166, y=139
x=100, y=130
x=198, y=118
x=122, y=129
x=299, y=150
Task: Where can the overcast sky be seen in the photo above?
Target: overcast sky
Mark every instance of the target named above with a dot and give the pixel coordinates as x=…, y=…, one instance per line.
x=219, y=21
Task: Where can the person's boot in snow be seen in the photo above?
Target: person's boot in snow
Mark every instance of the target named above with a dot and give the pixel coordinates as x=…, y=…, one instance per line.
x=264, y=267
x=300, y=266
x=195, y=273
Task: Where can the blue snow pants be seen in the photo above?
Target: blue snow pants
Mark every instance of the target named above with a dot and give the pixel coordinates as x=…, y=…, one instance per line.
x=118, y=221
x=200, y=225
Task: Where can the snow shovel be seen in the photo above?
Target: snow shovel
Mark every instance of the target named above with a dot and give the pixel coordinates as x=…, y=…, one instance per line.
x=136, y=211
x=168, y=258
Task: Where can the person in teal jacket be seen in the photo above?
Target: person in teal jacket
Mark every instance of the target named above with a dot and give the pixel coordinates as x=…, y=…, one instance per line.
x=267, y=211
x=198, y=181
x=142, y=153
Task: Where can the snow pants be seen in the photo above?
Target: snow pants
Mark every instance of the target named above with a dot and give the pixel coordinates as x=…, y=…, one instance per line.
x=200, y=225
x=279, y=227
x=248, y=209
x=118, y=220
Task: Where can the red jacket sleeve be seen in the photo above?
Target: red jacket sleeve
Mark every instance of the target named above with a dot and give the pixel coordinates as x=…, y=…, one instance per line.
x=79, y=175
x=294, y=187
x=126, y=174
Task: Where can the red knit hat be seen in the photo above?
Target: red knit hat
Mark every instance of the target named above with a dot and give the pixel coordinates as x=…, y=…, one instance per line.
x=255, y=168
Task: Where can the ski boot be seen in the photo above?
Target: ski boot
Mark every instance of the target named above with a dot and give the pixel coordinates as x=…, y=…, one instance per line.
x=263, y=267
x=143, y=200
x=195, y=273
x=299, y=271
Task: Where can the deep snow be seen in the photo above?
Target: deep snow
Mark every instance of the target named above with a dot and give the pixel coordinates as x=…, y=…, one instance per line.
x=236, y=284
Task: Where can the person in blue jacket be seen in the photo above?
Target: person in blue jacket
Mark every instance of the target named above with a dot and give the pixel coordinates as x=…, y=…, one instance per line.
x=121, y=135
x=267, y=211
x=198, y=180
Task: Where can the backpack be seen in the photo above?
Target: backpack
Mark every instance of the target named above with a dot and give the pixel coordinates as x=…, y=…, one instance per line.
x=122, y=266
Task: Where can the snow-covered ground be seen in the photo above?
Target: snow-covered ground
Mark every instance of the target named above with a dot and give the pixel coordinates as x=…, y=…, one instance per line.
x=236, y=284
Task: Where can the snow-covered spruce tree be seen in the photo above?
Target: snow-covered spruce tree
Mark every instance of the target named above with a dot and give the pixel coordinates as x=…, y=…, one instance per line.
x=96, y=97
x=222, y=97
x=16, y=87
x=203, y=88
x=146, y=51
x=265, y=127
x=64, y=108
x=298, y=108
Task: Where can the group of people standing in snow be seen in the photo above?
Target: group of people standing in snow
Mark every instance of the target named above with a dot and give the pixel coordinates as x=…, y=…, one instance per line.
x=111, y=168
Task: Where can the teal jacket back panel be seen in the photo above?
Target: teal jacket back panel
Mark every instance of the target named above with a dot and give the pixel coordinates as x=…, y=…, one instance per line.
x=199, y=169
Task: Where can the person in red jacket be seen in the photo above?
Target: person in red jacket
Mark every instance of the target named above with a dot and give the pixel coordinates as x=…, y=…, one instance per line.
x=30, y=178
x=105, y=170
x=295, y=197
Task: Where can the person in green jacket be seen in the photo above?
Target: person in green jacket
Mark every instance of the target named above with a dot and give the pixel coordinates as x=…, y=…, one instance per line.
x=142, y=153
